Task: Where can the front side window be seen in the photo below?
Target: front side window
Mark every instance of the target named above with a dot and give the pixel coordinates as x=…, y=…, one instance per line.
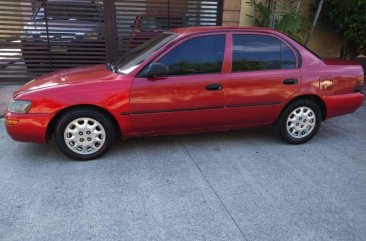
x=260, y=52
x=200, y=55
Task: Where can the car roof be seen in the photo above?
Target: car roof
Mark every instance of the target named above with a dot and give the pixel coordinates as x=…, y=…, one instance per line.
x=205, y=29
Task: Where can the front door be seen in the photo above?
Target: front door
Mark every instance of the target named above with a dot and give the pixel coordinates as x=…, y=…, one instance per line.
x=190, y=97
x=264, y=76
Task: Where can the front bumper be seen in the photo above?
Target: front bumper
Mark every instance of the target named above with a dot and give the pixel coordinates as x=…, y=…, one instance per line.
x=337, y=105
x=27, y=127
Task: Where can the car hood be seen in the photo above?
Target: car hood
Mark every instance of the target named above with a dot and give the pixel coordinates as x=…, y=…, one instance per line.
x=89, y=74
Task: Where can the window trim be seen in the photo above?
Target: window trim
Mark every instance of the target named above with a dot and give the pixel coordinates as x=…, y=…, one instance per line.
x=298, y=60
x=184, y=39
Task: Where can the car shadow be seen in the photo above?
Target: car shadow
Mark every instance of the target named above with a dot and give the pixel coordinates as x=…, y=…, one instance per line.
x=255, y=136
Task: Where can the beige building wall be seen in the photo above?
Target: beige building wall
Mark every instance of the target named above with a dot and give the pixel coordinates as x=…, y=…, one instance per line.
x=232, y=12
x=324, y=42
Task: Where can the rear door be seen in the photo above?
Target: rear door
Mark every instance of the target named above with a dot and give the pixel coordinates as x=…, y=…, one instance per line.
x=264, y=75
x=191, y=96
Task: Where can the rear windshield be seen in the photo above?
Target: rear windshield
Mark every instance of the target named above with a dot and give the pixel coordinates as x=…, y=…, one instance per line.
x=311, y=51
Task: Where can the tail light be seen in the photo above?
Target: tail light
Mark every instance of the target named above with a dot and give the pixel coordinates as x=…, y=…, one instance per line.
x=359, y=85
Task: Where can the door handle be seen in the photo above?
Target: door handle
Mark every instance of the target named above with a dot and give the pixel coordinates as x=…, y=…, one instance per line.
x=214, y=87
x=290, y=81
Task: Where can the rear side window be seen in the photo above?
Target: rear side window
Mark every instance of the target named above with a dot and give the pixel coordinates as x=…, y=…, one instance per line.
x=200, y=55
x=260, y=52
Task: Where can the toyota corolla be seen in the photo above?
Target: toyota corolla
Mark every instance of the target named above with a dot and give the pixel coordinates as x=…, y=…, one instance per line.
x=183, y=81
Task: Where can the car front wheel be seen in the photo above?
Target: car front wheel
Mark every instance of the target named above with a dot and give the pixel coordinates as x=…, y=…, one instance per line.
x=84, y=134
x=299, y=122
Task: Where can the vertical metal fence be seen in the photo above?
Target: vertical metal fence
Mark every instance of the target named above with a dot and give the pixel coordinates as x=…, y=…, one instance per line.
x=39, y=36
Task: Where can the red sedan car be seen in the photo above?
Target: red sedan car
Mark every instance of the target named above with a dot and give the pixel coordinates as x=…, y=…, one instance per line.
x=187, y=80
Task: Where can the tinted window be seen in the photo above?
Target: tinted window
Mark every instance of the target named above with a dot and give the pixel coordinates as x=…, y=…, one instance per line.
x=196, y=56
x=288, y=59
x=255, y=52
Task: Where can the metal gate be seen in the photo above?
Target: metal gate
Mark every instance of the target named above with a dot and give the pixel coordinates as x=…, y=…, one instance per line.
x=39, y=36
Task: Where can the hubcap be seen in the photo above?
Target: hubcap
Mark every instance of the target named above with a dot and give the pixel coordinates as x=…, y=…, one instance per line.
x=84, y=135
x=301, y=122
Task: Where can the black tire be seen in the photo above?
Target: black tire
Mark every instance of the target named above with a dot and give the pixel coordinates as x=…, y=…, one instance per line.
x=283, y=125
x=88, y=115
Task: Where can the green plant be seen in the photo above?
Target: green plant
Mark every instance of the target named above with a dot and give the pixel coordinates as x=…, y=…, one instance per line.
x=287, y=20
x=348, y=19
x=262, y=13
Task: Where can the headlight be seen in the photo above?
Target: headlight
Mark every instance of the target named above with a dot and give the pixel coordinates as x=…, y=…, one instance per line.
x=19, y=106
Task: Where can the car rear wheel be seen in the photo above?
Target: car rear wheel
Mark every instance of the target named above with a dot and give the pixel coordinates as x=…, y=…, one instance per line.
x=84, y=134
x=299, y=122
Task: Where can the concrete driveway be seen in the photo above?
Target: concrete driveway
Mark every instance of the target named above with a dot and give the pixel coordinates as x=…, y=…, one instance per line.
x=242, y=185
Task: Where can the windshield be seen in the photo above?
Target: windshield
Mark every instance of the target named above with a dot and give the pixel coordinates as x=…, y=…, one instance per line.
x=62, y=11
x=154, y=23
x=132, y=59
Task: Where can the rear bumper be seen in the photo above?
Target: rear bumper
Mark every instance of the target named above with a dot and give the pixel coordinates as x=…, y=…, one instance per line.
x=337, y=105
x=29, y=127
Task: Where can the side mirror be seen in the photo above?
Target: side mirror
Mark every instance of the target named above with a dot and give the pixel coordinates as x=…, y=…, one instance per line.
x=156, y=70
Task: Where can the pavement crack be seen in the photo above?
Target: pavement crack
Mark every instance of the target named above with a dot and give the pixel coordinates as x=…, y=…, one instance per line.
x=211, y=187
